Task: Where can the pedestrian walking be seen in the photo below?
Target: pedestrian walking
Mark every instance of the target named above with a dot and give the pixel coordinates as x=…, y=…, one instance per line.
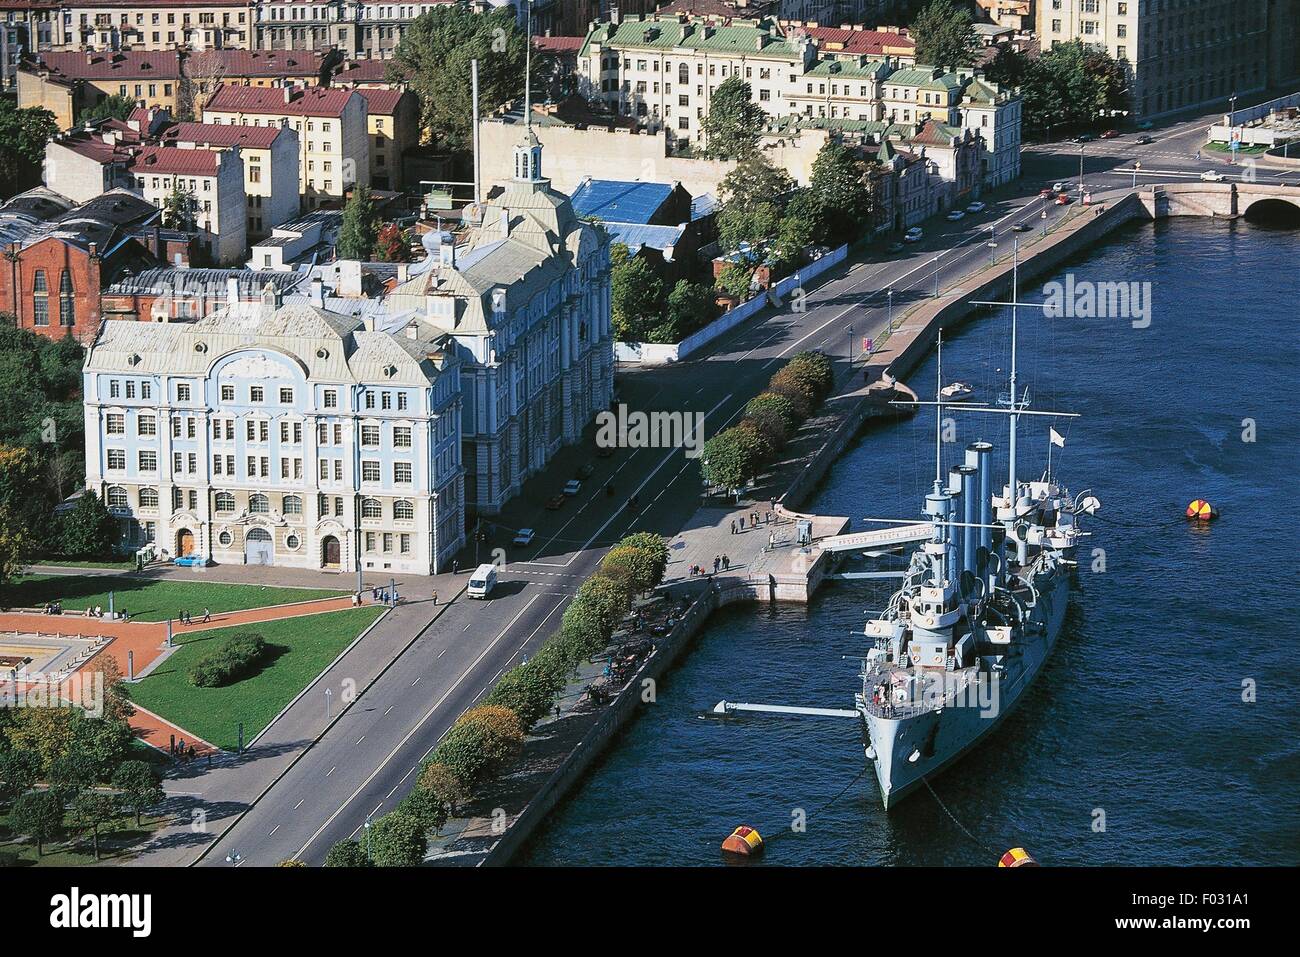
x=454, y=566
x=435, y=597
x=717, y=563
x=733, y=526
x=726, y=563
x=771, y=541
x=207, y=616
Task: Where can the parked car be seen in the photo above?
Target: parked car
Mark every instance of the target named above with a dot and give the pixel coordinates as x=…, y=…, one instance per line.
x=191, y=561
x=1047, y=193
x=1110, y=135
x=895, y=247
x=1211, y=176
x=1084, y=138
x=913, y=235
x=1063, y=199
x=572, y=487
x=1020, y=227
x=976, y=207
x=586, y=470
x=524, y=536
x=954, y=215
x=555, y=502
x=1144, y=139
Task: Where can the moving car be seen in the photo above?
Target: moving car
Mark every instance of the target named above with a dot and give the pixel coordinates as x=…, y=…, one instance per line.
x=895, y=247
x=1063, y=199
x=1020, y=227
x=586, y=470
x=191, y=561
x=555, y=502
x=1062, y=187
x=572, y=487
x=1211, y=176
x=524, y=536
x=1144, y=139
x=1110, y=135
x=976, y=207
x=1084, y=138
x=955, y=215
x=482, y=582
x=913, y=235
x=1045, y=193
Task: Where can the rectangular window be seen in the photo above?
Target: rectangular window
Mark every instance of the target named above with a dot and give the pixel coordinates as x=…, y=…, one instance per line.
x=404, y=542
x=286, y=396
x=401, y=436
x=369, y=471
x=146, y=425
x=402, y=473
x=401, y=401
x=147, y=460
x=183, y=392
x=256, y=393
x=331, y=399
x=370, y=435
x=227, y=393
x=115, y=423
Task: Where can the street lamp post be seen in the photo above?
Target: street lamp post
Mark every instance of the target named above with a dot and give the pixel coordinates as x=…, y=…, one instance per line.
x=1136, y=166
x=993, y=246
x=935, y=263
x=889, y=295
x=367, y=827
x=850, y=345
x=1081, y=172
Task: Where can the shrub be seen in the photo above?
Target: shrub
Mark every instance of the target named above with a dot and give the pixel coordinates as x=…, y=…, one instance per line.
x=750, y=435
x=772, y=403
x=397, y=840
x=347, y=853
x=733, y=457
x=234, y=658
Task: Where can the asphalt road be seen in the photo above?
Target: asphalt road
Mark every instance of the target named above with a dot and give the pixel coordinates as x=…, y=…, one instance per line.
x=367, y=760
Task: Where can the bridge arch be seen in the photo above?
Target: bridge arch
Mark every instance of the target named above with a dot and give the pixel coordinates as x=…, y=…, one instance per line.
x=1280, y=211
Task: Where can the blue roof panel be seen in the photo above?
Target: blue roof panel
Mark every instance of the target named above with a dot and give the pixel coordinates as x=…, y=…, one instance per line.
x=617, y=201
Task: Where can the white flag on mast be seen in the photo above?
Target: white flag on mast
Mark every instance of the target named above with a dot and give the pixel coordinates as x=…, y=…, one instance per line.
x=1057, y=438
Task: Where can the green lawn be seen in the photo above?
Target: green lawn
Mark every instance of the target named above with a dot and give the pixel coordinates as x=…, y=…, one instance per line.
x=302, y=648
x=150, y=599
x=123, y=566
x=118, y=841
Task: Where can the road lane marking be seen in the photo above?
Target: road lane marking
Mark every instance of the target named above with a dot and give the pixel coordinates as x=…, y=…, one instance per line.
x=411, y=733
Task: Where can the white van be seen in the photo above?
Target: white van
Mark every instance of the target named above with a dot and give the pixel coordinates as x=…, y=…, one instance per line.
x=482, y=582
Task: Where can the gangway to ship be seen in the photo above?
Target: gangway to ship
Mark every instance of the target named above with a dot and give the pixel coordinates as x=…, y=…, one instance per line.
x=879, y=539
x=732, y=707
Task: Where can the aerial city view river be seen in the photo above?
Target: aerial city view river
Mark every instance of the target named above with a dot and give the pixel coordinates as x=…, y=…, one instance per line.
x=1163, y=731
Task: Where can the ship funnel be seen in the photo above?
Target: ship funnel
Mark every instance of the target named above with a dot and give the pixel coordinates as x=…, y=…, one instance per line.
x=956, y=534
x=969, y=489
x=942, y=550
x=980, y=455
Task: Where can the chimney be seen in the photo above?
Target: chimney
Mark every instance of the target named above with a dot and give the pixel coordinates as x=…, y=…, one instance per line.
x=318, y=292
x=271, y=298
x=232, y=291
x=403, y=272
x=412, y=330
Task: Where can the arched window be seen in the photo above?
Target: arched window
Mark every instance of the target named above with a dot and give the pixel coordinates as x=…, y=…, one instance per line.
x=148, y=498
x=292, y=505
x=117, y=497
x=370, y=508
x=40, y=300
x=225, y=502
x=403, y=510
x=259, y=503
x=67, y=300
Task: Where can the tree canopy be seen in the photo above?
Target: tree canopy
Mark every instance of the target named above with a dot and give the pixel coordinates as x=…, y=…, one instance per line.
x=839, y=193
x=115, y=107
x=944, y=36
x=1071, y=85
x=436, y=50
x=359, y=230
x=23, y=135
x=636, y=295
x=734, y=122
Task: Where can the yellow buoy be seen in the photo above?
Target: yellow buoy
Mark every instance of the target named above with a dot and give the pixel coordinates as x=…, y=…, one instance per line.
x=1017, y=857
x=1202, y=511
x=743, y=842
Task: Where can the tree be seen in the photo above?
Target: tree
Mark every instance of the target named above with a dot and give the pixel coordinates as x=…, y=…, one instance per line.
x=840, y=193
x=655, y=550
x=397, y=840
x=347, y=853
x=140, y=785
x=735, y=280
x=39, y=816
x=180, y=208
x=72, y=774
x=87, y=530
x=426, y=807
x=816, y=368
x=689, y=307
x=944, y=36
x=435, y=51
x=201, y=74
x=755, y=179
x=732, y=457
x=527, y=690
x=635, y=295
x=752, y=224
x=481, y=742
x=441, y=781
x=115, y=107
x=391, y=245
x=1009, y=67
x=790, y=382
x=1071, y=85
x=734, y=123
x=360, y=227
x=799, y=226
x=770, y=403
x=23, y=135
x=639, y=565
x=48, y=733
x=18, y=773
x=93, y=811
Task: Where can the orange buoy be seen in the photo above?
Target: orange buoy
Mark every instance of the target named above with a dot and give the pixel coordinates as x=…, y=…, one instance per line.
x=743, y=842
x=1202, y=511
x=1017, y=857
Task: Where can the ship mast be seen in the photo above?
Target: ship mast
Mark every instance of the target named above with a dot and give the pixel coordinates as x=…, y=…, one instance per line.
x=938, y=413
x=1015, y=402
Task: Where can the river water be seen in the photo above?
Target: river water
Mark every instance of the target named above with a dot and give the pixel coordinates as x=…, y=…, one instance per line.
x=1135, y=746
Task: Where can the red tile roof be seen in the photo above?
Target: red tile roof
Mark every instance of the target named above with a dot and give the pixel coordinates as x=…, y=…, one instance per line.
x=869, y=42
x=128, y=65
x=222, y=135
x=366, y=71
x=381, y=101
x=290, y=63
x=558, y=44
x=173, y=159
x=95, y=146
x=309, y=101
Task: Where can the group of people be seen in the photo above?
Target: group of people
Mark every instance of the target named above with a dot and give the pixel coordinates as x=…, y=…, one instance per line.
x=387, y=596
x=185, y=618
x=182, y=751
x=755, y=519
x=53, y=608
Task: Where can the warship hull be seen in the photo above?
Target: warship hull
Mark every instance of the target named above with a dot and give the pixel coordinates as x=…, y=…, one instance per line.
x=906, y=750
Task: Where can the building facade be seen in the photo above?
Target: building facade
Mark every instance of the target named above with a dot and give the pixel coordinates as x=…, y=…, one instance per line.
x=279, y=434
x=393, y=122
x=1178, y=55
x=526, y=296
x=333, y=139
x=211, y=181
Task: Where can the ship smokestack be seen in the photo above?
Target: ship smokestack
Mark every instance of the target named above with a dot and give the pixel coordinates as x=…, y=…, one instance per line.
x=969, y=489
x=956, y=488
x=980, y=455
